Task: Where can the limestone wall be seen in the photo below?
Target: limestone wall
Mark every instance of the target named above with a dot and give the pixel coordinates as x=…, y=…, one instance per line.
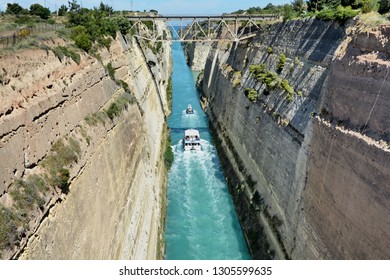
x=311, y=202
x=115, y=205
x=197, y=53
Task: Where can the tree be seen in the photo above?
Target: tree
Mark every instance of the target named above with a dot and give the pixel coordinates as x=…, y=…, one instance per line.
x=62, y=10
x=269, y=6
x=346, y=3
x=73, y=6
x=332, y=4
x=39, y=10
x=14, y=9
x=105, y=9
x=315, y=5
x=384, y=6
x=299, y=6
x=123, y=24
x=288, y=12
x=318, y=5
x=369, y=6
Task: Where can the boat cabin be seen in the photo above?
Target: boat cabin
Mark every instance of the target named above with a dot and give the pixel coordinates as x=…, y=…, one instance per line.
x=191, y=140
x=189, y=109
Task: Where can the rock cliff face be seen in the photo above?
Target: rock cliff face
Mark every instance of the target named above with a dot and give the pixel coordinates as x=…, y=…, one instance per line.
x=113, y=204
x=308, y=172
x=197, y=53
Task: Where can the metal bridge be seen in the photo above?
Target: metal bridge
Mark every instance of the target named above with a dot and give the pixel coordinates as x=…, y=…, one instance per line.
x=198, y=28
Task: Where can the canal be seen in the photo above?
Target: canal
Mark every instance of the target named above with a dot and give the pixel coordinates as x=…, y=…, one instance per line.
x=201, y=220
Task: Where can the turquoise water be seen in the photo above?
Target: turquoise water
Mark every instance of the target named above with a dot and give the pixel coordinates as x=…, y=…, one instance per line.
x=201, y=220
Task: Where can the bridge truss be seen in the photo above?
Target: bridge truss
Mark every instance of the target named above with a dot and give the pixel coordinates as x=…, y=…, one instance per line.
x=199, y=28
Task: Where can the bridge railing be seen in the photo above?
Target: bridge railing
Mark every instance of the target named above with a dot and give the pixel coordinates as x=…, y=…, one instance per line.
x=204, y=17
x=202, y=27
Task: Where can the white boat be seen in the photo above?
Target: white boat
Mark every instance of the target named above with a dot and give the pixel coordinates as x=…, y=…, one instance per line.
x=191, y=140
x=189, y=109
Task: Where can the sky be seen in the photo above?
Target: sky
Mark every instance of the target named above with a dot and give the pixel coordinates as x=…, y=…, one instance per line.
x=165, y=7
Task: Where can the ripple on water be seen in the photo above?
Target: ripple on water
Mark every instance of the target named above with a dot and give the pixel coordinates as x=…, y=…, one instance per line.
x=201, y=220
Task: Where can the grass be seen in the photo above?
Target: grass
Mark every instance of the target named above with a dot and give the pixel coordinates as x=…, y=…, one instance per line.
x=60, y=158
x=370, y=20
x=169, y=93
x=168, y=153
x=120, y=104
x=85, y=135
x=62, y=52
x=111, y=71
x=8, y=227
x=95, y=118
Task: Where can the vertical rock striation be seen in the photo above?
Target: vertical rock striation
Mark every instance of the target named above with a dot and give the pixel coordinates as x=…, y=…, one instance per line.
x=115, y=205
x=312, y=171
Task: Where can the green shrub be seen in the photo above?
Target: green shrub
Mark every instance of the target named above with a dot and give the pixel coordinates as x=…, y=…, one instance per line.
x=257, y=69
x=62, y=180
x=95, y=118
x=281, y=63
x=124, y=85
x=251, y=94
x=123, y=24
x=169, y=93
x=168, y=154
x=77, y=30
x=113, y=111
x=8, y=227
x=83, y=41
x=340, y=14
x=85, y=135
x=51, y=21
x=270, y=50
x=81, y=37
x=270, y=79
x=370, y=6
x=111, y=71
x=26, y=20
x=288, y=89
x=60, y=157
x=120, y=104
x=108, y=26
x=105, y=42
x=26, y=195
x=62, y=52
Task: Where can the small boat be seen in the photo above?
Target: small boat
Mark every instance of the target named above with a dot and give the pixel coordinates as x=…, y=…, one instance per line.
x=189, y=109
x=191, y=140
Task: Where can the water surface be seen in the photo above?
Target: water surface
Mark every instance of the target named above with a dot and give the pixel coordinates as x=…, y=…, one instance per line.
x=201, y=220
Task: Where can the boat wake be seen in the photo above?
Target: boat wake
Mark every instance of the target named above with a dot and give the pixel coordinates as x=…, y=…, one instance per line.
x=200, y=208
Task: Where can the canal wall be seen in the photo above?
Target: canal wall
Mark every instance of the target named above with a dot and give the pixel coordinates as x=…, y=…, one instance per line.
x=81, y=148
x=304, y=138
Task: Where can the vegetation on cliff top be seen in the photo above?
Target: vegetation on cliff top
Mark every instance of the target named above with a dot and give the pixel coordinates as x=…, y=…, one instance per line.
x=88, y=26
x=337, y=10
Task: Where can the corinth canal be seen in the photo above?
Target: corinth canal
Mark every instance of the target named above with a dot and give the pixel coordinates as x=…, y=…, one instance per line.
x=201, y=219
